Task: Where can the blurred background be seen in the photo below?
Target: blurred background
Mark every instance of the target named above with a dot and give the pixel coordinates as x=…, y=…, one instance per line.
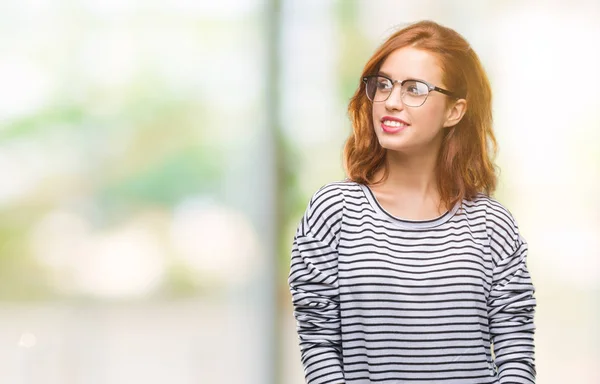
x=156, y=157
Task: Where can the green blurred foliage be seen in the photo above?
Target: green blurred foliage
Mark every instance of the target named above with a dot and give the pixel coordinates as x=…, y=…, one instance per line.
x=354, y=49
x=148, y=153
x=21, y=277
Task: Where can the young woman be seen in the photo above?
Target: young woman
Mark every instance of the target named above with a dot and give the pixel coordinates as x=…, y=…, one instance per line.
x=408, y=270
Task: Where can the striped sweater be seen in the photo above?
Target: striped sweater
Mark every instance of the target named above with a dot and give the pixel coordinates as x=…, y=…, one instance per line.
x=378, y=299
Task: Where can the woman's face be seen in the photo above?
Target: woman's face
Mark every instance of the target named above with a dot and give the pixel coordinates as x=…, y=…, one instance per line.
x=413, y=130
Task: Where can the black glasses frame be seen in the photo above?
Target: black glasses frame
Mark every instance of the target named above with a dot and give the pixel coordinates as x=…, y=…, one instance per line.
x=430, y=88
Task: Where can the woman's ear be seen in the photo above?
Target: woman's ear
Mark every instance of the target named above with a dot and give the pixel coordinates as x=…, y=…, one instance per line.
x=455, y=113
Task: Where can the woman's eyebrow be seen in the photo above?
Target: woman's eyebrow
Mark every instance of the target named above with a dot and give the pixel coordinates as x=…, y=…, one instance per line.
x=384, y=74
x=408, y=78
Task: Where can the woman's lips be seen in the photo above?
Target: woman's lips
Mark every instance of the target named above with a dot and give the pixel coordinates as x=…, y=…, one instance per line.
x=393, y=129
x=391, y=124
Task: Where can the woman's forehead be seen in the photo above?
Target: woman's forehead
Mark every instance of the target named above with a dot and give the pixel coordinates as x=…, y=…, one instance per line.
x=412, y=63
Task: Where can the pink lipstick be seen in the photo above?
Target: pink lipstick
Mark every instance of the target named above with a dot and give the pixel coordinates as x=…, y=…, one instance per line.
x=391, y=124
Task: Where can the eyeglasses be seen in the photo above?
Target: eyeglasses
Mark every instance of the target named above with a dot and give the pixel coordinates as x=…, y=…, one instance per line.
x=412, y=92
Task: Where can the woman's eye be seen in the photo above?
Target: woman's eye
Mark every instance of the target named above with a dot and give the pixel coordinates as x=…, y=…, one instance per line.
x=413, y=89
x=383, y=85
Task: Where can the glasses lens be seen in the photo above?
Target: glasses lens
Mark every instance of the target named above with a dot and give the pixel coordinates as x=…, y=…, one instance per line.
x=378, y=88
x=414, y=93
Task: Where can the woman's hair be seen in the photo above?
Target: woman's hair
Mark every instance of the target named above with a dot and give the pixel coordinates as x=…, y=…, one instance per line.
x=465, y=161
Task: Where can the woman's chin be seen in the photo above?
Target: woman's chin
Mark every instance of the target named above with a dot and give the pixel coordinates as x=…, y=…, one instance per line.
x=392, y=145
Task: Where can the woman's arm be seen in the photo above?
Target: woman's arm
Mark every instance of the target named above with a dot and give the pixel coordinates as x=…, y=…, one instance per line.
x=511, y=306
x=314, y=287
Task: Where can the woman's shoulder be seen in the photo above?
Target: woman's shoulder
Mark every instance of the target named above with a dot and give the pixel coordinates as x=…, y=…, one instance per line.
x=329, y=201
x=338, y=191
x=499, y=219
x=489, y=204
x=325, y=211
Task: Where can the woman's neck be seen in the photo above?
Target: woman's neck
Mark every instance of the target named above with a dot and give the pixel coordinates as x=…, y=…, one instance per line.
x=410, y=175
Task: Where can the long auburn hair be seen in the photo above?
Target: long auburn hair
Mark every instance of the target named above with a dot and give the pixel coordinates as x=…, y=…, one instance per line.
x=465, y=164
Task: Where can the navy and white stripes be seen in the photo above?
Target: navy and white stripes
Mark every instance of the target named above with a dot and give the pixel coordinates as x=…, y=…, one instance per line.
x=384, y=300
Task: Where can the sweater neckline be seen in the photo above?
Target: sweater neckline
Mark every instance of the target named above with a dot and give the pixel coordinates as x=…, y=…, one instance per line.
x=412, y=224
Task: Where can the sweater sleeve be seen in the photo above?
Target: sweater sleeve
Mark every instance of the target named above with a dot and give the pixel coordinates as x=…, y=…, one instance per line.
x=313, y=283
x=511, y=305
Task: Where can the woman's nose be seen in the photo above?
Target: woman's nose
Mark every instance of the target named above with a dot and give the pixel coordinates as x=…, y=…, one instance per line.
x=394, y=102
